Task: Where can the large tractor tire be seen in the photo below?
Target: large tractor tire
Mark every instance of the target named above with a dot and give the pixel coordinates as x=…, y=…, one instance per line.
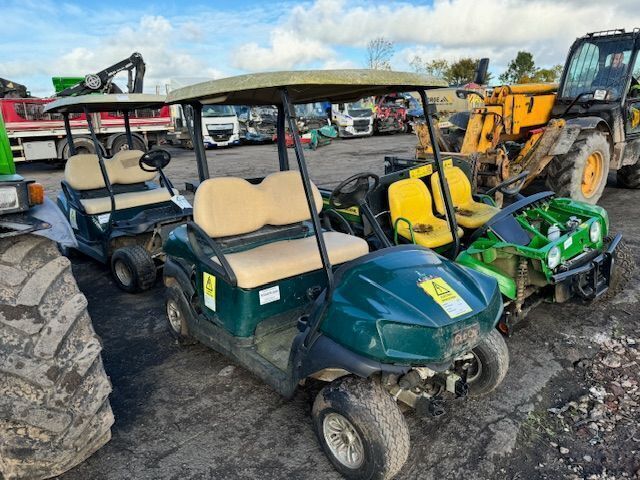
x=629, y=175
x=581, y=174
x=54, y=407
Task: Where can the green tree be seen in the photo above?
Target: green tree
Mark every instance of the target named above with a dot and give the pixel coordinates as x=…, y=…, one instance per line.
x=461, y=71
x=436, y=68
x=379, y=53
x=550, y=75
x=521, y=69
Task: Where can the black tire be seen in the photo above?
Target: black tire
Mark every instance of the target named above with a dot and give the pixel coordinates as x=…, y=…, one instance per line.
x=376, y=419
x=629, y=175
x=54, y=406
x=491, y=364
x=565, y=172
x=623, y=268
x=133, y=269
x=177, y=312
x=120, y=143
x=82, y=144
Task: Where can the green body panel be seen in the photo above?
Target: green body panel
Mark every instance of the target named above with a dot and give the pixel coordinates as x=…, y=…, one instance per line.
x=377, y=309
x=7, y=167
x=62, y=83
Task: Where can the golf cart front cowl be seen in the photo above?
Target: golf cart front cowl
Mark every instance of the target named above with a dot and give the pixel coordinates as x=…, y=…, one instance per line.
x=410, y=306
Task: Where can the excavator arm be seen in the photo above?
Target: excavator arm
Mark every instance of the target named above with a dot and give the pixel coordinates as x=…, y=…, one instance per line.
x=102, y=82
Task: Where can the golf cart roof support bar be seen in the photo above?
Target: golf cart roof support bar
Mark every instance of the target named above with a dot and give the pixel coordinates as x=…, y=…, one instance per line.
x=302, y=165
x=444, y=186
x=127, y=129
x=283, y=156
x=67, y=129
x=198, y=139
x=103, y=169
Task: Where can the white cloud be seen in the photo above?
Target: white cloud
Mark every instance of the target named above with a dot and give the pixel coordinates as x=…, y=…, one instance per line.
x=287, y=49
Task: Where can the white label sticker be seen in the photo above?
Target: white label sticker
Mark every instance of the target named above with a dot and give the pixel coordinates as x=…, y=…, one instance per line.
x=104, y=218
x=568, y=242
x=209, y=282
x=269, y=295
x=181, y=201
x=73, y=219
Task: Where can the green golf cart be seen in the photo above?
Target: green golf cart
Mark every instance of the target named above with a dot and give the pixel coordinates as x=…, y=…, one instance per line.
x=256, y=277
x=537, y=247
x=119, y=212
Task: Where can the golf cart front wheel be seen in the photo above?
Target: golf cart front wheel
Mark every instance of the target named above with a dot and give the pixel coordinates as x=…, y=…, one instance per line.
x=490, y=364
x=177, y=314
x=133, y=269
x=361, y=429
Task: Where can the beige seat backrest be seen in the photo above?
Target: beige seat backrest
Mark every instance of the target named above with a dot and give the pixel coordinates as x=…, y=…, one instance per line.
x=232, y=206
x=82, y=172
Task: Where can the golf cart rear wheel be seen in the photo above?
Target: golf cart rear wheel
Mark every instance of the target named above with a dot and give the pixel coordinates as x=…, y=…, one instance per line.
x=361, y=429
x=623, y=268
x=54, y=406
x=133, y=269
x=581, y=174
x=629, y=175
x=490, y=364
x=177, y=314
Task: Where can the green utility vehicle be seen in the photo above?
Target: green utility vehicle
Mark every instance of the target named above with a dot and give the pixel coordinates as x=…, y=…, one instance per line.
x=538, y=247
x=257, y=278
x=120, y=214
x=54, y=406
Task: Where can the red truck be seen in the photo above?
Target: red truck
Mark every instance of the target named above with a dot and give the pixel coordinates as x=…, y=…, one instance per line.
x=35, y=135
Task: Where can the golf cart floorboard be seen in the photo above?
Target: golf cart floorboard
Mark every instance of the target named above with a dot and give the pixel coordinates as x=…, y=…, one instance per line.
x=274, y=337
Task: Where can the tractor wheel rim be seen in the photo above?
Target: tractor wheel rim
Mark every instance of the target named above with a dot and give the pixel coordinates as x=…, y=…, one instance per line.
x=475, y=369
x=173, y=314
x=123, y=273
x=343, y=440
x=592, y=175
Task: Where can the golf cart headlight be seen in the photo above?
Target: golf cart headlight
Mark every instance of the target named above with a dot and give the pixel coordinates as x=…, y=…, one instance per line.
x=595, y=232
x=553, y=259
x=8, y=198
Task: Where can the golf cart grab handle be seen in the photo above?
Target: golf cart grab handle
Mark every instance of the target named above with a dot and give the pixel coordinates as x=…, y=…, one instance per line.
x=195, y=233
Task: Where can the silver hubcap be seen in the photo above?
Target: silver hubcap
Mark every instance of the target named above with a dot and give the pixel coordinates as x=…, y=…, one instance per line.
x=475, y=369
x=343, y=440
x=173, y=314
x=123, y=273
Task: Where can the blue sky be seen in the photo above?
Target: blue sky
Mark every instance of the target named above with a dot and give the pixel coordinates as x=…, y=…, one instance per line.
x=219, y=38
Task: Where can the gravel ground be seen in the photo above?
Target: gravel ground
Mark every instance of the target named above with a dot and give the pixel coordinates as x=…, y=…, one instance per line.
x=188, y=413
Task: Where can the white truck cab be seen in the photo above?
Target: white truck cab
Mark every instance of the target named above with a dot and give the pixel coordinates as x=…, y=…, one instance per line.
x=220, y=127
x=352, y=119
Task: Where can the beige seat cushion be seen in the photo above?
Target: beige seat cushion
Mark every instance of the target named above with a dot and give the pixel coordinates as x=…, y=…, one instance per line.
x=82, y=172
x=94, y=206
x=275, y=261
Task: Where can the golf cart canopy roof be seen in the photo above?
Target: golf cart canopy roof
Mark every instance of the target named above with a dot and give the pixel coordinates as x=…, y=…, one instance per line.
x=112, y=102
x=308, y=86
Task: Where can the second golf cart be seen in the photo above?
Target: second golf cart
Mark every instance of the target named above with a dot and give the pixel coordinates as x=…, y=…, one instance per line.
x=119, y=213
x=256, y=277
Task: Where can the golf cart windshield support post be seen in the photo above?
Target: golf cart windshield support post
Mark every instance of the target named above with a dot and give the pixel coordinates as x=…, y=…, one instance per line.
x=195, y=112
x=293, y=128
x=127, y=129
x=283, y=156
x=67, y=129
x=444, y=187
x=103, y=169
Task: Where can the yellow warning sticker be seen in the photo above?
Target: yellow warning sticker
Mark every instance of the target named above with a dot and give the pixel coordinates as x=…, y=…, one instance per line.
x=421, y=171
x=447, y=162
x=445, y=296
x=209, y=282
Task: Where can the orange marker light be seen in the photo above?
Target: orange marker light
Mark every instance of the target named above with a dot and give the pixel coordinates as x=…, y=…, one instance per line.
x=36, y=194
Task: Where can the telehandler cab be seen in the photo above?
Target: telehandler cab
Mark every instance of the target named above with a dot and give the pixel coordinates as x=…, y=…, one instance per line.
x=256, y=277
x=119, y=213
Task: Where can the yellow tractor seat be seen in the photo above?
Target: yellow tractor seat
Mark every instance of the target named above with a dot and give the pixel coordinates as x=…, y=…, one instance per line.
x=410, y=201
x=82, y=172
x=228, y=206
x=469, y=213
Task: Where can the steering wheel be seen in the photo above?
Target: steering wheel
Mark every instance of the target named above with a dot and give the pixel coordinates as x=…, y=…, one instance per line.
x=353, y=190
x=155, y=159
x=519, y=181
